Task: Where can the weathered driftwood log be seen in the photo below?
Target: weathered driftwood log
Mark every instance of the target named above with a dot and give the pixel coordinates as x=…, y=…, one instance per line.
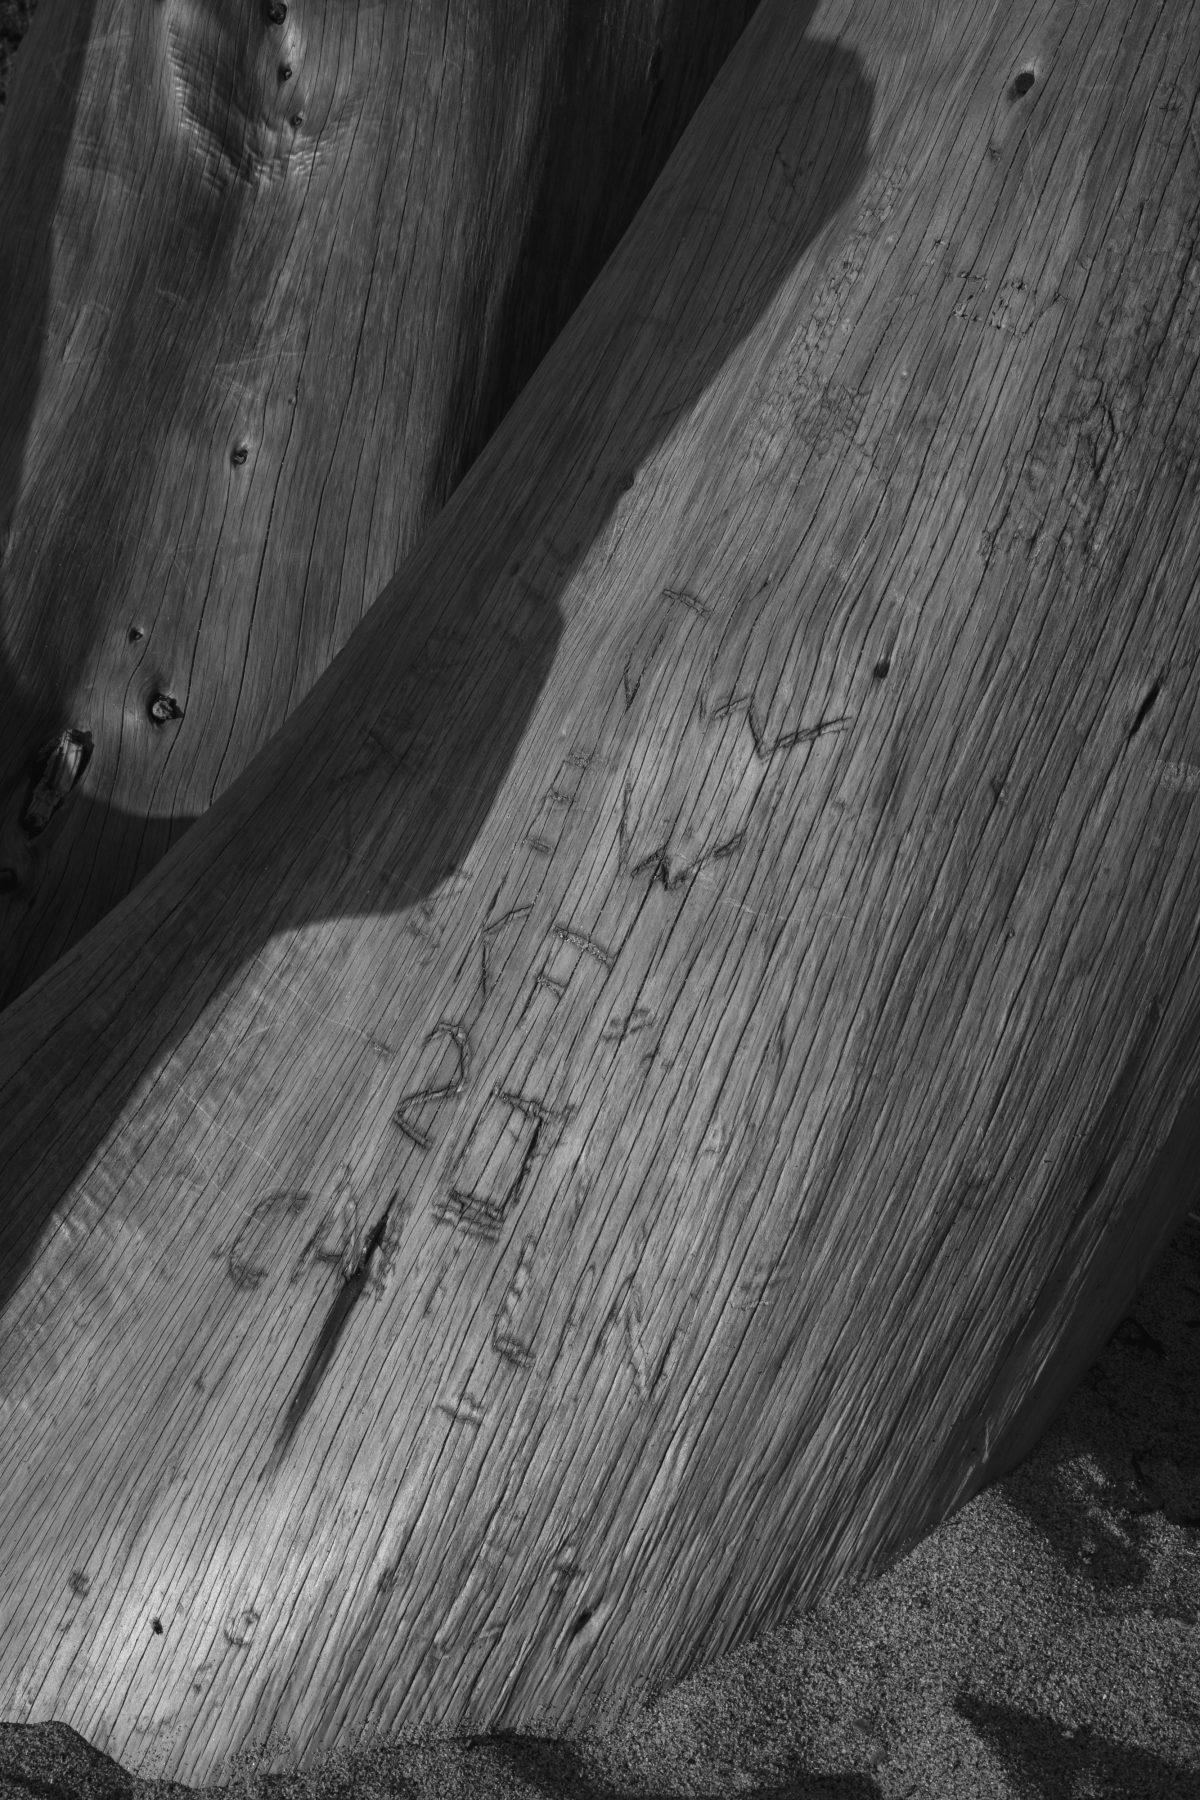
x=652, y=1086
x=270, y=277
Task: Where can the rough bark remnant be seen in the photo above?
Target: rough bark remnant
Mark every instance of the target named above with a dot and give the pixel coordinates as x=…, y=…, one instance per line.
x=652, y=1086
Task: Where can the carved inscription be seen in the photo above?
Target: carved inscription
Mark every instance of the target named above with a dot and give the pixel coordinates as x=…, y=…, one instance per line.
x=696, y=764
x=703, y=749
x=545, y=831
x=512, y=1338
x=488, y=935
x=243, y=1272
x=436, y=1095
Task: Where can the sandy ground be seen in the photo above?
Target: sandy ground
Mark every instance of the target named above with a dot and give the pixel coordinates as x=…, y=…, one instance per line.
x=1044, y=1642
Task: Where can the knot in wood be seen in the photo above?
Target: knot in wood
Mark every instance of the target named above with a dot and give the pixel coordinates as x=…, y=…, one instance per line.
x=57, y=769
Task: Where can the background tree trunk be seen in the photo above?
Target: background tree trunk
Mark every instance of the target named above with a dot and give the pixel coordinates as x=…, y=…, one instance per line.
x=652, y=1086
x=271, y=276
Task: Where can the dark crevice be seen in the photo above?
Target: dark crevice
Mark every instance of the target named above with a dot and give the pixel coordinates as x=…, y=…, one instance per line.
x=322, y=1353
x=1143, y=711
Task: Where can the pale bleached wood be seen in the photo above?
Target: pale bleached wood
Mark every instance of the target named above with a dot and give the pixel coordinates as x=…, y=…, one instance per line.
x=713, y=960
x=267, y=285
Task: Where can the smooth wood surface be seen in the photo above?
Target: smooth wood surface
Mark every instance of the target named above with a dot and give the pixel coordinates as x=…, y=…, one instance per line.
x=655, y=1082
x=266, y=288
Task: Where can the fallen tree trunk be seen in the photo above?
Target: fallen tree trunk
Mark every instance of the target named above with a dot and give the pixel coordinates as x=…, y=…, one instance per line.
x=653, y=1085
x=270, y=277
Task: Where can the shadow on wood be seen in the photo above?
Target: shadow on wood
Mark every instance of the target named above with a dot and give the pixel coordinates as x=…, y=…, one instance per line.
x=417, y=733
x=257, y=322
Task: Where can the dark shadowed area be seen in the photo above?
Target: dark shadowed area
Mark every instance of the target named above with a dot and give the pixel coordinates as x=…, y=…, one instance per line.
x=221, y=426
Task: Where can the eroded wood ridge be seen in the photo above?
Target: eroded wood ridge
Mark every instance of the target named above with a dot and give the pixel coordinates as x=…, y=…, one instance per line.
x=759, y=1099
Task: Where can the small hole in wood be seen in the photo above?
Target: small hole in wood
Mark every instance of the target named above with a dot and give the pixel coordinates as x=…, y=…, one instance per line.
x=583, y=1621
x=1022, y=84
x=275, y=12
x=164, y=707
x=239, y=455
x=297, y=121
x=881, y=668
x=285, y=72
x=135, y=632
x=156, y=1627
x=9, y=881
